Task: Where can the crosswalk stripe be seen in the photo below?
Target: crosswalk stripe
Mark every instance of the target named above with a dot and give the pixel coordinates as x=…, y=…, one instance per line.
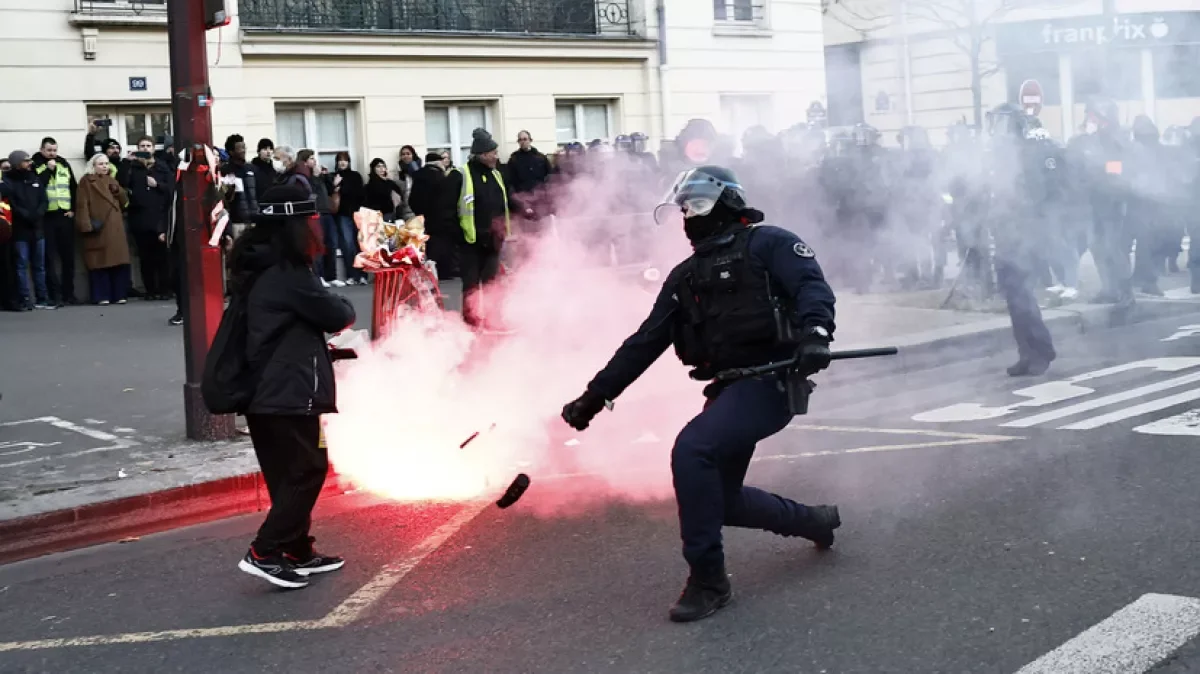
x=1136, y=410
x=1130, y=641
x=1187, y=423
x=1103, y=401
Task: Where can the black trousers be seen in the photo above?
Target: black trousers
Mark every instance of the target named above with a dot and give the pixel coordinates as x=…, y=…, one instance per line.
x=1034, y=344
x=479, y=266
x=154, y=263
x=60, y=256
x=294, y=467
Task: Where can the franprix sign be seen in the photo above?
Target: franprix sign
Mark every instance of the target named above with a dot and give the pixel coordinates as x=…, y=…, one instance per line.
x=1084, y=32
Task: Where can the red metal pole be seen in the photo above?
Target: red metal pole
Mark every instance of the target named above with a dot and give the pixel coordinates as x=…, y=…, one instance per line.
x=202, y=281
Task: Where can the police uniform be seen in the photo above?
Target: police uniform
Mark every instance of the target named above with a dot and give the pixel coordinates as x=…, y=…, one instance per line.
x=721, y=308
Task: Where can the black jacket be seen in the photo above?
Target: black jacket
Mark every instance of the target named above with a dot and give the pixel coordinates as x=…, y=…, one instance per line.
x=148, y=206
x=351, y=192
x=528, y=170
x=264, y=175
x=242, y=206
x=432, y=198
x=26, y=193
x=378, y=196
x=289, y=314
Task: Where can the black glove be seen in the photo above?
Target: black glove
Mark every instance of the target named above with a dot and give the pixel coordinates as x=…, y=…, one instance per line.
x=813, y=355
x=579, y=412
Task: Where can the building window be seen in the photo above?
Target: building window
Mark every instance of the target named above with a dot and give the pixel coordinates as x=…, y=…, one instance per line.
x=740, y=112
x=583, y=121
x=1175, y=73
x=1121, y=80
x=324, y=129
x=448, y=126
x=127, y=125
x=747, y=11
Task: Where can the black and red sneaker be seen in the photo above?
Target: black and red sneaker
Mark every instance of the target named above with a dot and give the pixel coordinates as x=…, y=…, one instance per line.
x=305, y=559
x=273, y=568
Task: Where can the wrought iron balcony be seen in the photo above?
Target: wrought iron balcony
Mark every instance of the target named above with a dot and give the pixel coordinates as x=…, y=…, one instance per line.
x=605, y=18
x=120, y=12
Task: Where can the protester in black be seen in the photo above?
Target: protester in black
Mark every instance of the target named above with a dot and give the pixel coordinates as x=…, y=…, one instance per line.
x=289, y=313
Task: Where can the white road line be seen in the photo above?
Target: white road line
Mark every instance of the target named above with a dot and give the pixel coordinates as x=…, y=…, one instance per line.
x=1103, y=401
x=169, y=635
x=391, y=575
x=1187, y=423
x=899, y=431
x=118, y=442
x=1130, y=641
x=1135, y=411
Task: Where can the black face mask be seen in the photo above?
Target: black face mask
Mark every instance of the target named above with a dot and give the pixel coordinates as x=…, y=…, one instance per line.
x=702, y=227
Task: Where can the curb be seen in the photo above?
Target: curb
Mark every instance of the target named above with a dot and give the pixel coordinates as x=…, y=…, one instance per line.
x=111, y=521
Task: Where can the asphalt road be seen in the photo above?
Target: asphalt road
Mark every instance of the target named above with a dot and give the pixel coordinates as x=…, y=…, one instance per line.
x=967, y=546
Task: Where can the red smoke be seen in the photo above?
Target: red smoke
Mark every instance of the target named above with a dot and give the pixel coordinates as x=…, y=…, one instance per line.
x=408, y=403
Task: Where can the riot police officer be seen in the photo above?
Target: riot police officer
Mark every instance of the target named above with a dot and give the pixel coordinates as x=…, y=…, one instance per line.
x=1018, y=184
x=1104, y=152
x=749, y=294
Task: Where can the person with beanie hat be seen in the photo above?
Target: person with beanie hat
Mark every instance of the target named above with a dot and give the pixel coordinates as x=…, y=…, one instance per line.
x=25, y=192
x=432, y=199
x=485, y=208
x=288, y=313
x=264, y=168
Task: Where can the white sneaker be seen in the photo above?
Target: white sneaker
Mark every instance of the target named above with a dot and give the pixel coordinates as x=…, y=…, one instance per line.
x=1070, y=293
x=338, y=284
x=325, y=283
x=1056, y=289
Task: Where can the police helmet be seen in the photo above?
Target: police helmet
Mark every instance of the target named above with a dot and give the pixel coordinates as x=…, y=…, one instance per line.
x=1103, y=111
x=913, y=138
x=1144, y=129
x=1008, y=120
x=696, y=192
x=864, y=135
x=639, y=140
x=1176, y=136
x=623, y=143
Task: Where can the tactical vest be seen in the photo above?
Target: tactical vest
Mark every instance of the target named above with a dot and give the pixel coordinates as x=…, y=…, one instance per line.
x=730, y=315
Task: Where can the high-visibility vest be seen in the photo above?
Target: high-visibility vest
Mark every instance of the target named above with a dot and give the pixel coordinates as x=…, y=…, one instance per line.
x=466, y=204
x=58, y=187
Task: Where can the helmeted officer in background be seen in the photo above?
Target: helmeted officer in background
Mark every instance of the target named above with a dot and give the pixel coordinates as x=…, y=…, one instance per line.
x=966, y=200
x=747, y=296
x=1152, y=181
x=1104, y=150
x=1018, y=181
x=916, y=233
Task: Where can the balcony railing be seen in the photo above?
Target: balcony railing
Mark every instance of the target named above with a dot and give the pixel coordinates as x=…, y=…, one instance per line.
x=608, y=18
x=150, y=8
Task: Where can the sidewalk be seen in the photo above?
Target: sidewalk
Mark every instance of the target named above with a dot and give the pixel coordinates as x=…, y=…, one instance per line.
x=92, y=444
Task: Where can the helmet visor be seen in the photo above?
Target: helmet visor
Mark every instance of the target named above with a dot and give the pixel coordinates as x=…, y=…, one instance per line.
x=693, y=194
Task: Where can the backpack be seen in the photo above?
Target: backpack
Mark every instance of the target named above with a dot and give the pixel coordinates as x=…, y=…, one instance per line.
x=229, y=381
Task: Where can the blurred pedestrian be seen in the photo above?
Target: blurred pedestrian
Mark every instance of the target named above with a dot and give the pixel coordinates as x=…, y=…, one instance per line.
x=26, y=194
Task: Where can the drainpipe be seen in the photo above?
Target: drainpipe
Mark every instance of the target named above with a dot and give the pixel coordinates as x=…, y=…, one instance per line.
x=664, y=89
x=907, y=58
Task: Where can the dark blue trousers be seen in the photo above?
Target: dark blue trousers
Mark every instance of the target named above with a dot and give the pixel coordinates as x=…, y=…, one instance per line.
x=1034, y=343
x=709, y=463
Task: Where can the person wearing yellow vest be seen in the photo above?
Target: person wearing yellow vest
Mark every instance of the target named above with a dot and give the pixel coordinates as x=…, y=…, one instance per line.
x=59, y=224
x=485, y=221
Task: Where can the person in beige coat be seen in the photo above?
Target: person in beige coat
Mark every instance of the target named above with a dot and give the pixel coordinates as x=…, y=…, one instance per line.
x=98, y=218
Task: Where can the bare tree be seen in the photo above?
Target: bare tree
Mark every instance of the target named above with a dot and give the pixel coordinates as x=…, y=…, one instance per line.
x=968, y=23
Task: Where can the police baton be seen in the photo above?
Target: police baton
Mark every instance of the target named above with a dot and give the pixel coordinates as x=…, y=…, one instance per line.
x=779, y=366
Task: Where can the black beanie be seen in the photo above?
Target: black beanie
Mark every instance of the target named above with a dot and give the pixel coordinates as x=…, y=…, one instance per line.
x=432, y=157
x=265, y=144
x=483, y=142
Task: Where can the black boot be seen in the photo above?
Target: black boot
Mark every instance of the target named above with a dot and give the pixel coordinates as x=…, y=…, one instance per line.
x=1029, y=368
x=819, y=526
x=704, y=595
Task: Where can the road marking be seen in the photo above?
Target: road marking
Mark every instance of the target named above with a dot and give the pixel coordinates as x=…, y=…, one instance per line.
x=1103, y=401
x=391, y=575
x=1187, y=423
x=169, y=635
x=117, y=442
x=1183, y=332
x=1130, y=641
x=1135, y=411
x=1050, y=393
x=346, y=613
